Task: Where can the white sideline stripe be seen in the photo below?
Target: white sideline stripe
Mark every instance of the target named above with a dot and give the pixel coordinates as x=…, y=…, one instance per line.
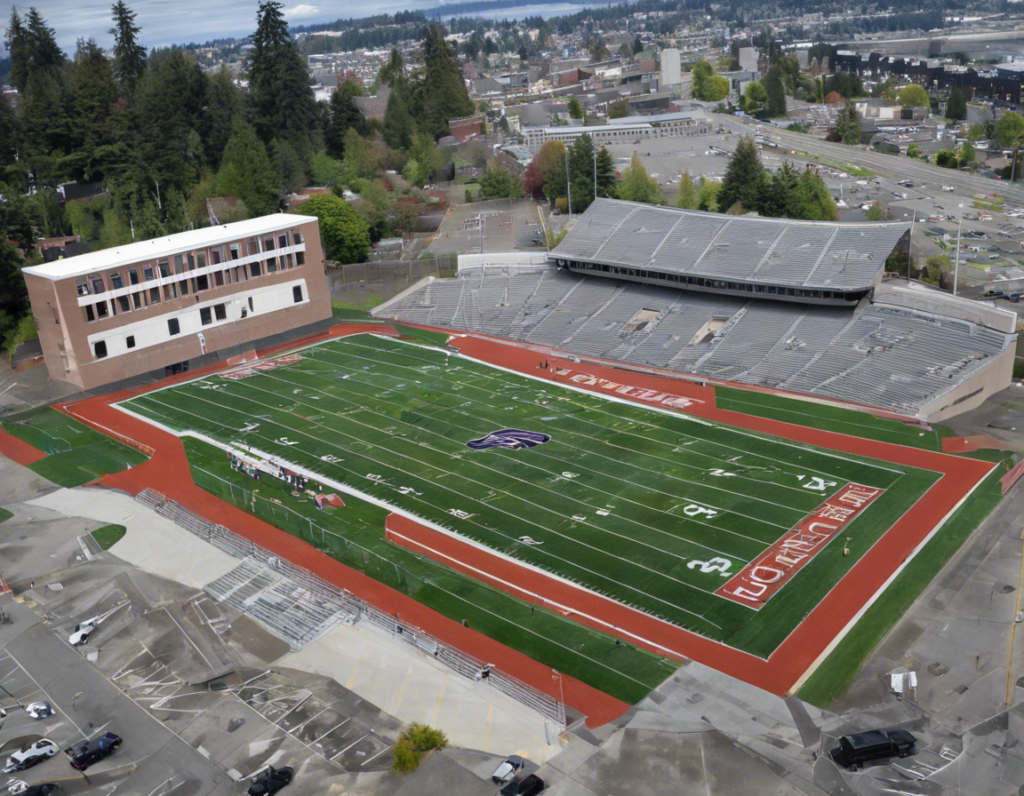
x=881, y=589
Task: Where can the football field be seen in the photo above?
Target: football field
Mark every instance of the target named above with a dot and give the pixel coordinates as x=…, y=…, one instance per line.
x=725, y=532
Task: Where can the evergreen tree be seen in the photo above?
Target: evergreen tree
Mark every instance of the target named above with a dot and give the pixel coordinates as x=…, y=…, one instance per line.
x=687, y=197
x=956, y=107
x=581, y=172
x=247, y=172
x=399, y=127
x=13, y=295
x=575, y=108
x=780, y=190
x=16, y=41
x=344, y=113
x=847, y=127
x=637, y=186
x=291, y=173
x=775, y=92
x=223, y=103
x=279, y=88
x=619, y=109
x=606, y=182
x=813, y=201
x=428, y=157
x=441, y=92
x=94, y=92
x=392, y=74
x=129, y=55
x=497, y=183
x=744, y=178
x=10, y=136
x=44, y=54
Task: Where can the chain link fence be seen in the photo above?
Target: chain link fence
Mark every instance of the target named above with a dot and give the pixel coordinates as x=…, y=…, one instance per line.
x=373, y=564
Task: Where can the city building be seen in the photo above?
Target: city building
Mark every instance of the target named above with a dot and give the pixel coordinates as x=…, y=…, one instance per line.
x=671, y=68
x=161, y=306
x=627, y=130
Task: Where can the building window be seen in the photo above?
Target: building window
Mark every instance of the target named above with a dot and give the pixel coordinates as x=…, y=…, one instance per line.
x=130, y=341
x=271, y=265
x=300, y=258
x=202, y=283
x=254, y=268
x=268, y=244
x=170, y=292
x=235, y=251
x=116, y=282
x=250, y=302
x=217, y=255
x=133, y=276
x=184, y=287
x=297, y=238
x=220, y=312
x=154, y=295
x=82, y=286
x=253, y=247
x=101, y=310
x=89, y=314
x=282, y=240
x=101, y=349
x=201, y=259
x=297, y=293
x=123, y=302
x=165, y=268
x=137, y=300
x=147, y=272
x=173, y=327
x=97, y=284
x=205, y=316
x=179, y=264
x=218, y=279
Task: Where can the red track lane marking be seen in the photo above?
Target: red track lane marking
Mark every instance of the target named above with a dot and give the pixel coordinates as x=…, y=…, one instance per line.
x=168, y=471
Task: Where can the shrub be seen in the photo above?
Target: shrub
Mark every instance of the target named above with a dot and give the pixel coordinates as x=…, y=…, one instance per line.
x=406, y=759
x=424, y=737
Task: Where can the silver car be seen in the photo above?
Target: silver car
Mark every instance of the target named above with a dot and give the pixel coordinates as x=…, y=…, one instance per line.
x=28, y=756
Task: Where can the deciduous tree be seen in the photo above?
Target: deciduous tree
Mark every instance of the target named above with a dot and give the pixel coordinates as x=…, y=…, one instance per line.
x=638, y=186
x=345, y=233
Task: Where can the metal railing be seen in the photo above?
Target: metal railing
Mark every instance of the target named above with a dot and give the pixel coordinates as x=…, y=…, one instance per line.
x=480, y=671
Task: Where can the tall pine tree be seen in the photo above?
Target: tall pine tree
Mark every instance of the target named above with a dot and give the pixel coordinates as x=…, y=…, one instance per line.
x=441, y=92
x=344, y=113
x=744, y=178
x=129, y=55
x=280, y=93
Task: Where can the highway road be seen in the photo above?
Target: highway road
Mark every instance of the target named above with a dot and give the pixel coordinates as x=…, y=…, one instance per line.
x=884, y=165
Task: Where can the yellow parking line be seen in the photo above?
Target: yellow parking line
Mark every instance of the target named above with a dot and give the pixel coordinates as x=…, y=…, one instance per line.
x=437, y=705
x=355, y=669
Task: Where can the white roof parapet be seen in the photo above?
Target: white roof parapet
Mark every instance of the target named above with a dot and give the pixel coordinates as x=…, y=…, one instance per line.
x=775, y=251
x=165, y=246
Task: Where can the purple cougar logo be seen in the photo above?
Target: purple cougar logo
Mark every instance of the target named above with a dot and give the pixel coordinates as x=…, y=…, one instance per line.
x=510, y=438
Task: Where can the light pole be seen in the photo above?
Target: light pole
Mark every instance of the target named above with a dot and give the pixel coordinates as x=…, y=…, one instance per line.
x=568, y=183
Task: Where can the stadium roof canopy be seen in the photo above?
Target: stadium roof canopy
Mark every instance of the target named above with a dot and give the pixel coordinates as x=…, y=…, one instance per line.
x=808, y=261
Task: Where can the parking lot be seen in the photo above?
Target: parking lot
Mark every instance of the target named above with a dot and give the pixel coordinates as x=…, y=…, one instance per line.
x=499, y=225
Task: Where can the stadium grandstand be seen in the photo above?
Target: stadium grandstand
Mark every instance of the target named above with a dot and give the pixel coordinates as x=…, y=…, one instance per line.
x=603, y=294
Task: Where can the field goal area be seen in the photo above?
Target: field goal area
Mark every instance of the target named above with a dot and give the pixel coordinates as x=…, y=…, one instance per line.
x=722, y=532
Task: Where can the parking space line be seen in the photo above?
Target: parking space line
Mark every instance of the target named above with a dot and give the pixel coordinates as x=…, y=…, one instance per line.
x=188, y=639
x=317, y=740
x=307, y=721
x=437, y=705
x=43, y=691
x=339, y=754
x=382, y=751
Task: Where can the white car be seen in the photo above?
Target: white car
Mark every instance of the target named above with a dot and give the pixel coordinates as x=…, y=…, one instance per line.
x=80, y=636
x=28, y=756
x=504, y=773
x=39, y=710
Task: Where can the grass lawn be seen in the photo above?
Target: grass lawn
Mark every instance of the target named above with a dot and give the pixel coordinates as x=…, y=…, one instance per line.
x=76, y=453
x=842, y=664
x=354, y=535
x=655, y=510
x=829, y=418
x=109, y=535
x=347, y=311
x=5, y=514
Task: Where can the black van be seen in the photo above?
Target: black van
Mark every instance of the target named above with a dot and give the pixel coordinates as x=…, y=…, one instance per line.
x=857, y=749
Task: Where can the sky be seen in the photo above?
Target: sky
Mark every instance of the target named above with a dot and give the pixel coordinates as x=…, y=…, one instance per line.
x=166, y=22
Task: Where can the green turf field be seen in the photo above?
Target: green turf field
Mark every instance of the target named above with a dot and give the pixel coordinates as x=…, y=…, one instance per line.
x=76, y=453
x=627, y=501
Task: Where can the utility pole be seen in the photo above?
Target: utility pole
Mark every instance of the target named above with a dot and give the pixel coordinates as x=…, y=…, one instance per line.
x=595, y=174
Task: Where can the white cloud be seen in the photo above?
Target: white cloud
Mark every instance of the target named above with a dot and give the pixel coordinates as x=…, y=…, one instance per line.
x=301, y=11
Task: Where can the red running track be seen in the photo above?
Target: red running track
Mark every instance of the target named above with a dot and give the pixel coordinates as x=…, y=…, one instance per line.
x=168, y=472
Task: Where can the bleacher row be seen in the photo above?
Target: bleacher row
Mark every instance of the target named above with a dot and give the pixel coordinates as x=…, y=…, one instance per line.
x=807, y=254
x=876, y=354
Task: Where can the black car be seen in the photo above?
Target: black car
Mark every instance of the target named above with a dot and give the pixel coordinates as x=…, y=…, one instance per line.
x=527, y=786
x=42, y=789
x=857, y=749
x=270, y=780
x=86, y=753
